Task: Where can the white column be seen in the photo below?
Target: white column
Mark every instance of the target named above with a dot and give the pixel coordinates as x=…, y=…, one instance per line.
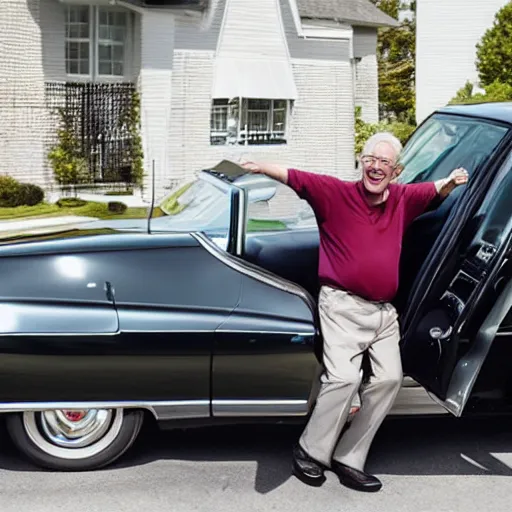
x=155, y=82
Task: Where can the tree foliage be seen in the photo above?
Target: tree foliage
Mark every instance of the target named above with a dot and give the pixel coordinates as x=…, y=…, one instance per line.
x=396, y=50
x=495, y=92
x=364, y=131
x=494, y=52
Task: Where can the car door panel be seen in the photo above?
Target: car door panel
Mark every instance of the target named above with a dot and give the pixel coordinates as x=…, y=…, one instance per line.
x=265, y=352
x=57, y=318
x=452, y=333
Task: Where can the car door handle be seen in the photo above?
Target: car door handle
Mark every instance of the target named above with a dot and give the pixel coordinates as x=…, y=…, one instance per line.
x=109, y=291
x=438, y=334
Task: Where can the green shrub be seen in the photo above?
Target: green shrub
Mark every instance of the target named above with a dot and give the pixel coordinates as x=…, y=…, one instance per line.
x=29, y=194
x=13, y=193
x=70, y=202
x=128, y=192
x=116, y=207
x=9, y=192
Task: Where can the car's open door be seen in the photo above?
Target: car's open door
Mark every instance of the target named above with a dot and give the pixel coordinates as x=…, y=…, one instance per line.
x=450, y=329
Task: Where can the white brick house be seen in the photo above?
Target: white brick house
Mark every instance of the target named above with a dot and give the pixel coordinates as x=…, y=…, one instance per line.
x=274, y=79
x=447, y=32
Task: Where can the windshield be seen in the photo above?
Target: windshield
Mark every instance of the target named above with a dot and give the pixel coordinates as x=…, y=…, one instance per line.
x=446, y=142
x=200, y=205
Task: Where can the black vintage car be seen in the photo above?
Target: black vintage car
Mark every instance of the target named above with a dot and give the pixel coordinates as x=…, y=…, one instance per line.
x=208, y=313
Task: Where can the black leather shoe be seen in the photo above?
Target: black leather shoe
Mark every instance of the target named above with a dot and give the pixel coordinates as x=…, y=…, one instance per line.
x=355, y=479
x=307, y=469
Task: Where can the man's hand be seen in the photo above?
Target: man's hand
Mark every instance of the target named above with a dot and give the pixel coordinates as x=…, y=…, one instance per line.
x=457, y=177
x=277, y=172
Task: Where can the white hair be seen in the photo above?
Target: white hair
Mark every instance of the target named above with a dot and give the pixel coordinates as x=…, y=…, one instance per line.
x=386, y=137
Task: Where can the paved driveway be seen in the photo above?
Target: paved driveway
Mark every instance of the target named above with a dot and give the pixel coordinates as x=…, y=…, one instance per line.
x=427, y=465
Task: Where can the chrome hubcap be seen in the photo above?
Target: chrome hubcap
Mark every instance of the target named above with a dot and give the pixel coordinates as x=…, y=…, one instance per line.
x=75, y=428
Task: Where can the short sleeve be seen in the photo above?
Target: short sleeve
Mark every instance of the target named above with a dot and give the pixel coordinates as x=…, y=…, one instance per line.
x=316, y=189
x=418, y=197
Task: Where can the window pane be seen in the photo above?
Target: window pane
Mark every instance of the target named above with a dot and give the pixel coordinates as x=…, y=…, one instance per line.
x=118, y=34
x=84, y=51
x=73, y=14
x=278, y=104
x=258, y=104
x=84, y=67
x=103, y=17
x=73, y=31
x=118, y=69
x=105, y=52
x=103, y=32
x=84, y=31
x=105, y=68
x=72, y=67
x=83, y=14
x=257, y=121
x=73, y=50
x=279, y=120
x=118, y=53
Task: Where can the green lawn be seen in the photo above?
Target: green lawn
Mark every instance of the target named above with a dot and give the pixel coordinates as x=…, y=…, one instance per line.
x=265, y=225
x=91, y=209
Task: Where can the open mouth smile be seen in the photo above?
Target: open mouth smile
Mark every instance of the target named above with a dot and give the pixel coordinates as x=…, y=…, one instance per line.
x=375, y=177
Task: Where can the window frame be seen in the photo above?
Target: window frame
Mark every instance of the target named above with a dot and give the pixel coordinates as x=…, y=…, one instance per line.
x=94, y=43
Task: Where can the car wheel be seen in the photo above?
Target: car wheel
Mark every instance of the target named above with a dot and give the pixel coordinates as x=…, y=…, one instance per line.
x=74, y=440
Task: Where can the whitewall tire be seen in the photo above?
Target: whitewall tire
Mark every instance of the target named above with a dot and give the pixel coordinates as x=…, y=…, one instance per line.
x=74, y=440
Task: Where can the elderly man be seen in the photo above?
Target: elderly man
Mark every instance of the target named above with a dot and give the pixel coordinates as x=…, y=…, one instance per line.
x=361, y=227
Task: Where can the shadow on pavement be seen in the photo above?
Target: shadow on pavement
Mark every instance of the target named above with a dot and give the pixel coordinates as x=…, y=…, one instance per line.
x=403, y=446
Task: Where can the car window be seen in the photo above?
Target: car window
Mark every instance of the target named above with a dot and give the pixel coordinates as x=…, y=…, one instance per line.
x=446, y=142
x=496, y=210
x=276, y=207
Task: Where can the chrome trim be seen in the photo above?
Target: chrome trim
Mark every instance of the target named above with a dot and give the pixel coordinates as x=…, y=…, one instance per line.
x=161, y=410
x=255, y=272
x=291, y=333
x=249, y=408
x=240, y=230
x=53, y=334
x=61, y=431
x=176, y=409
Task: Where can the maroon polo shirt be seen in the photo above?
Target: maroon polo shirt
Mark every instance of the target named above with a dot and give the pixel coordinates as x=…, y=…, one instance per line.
x=360, y=244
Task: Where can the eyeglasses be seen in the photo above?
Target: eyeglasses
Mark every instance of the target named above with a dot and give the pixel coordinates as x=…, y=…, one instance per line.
x=368, y=159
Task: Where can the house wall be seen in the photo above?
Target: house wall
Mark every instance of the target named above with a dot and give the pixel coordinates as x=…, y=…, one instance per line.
x=155, y=83
x=33, y=35
x=22, y=112
x=366, y=73
x=446, y=34
x=321, y=136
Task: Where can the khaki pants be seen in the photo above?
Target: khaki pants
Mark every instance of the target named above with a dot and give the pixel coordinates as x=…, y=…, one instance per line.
x=350, y=326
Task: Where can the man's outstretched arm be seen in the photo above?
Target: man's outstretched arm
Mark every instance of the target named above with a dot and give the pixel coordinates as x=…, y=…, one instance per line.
x=274, y=171
x=446, y=186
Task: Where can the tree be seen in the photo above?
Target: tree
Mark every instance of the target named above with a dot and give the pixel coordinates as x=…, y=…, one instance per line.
x=494, y=52
x=497, y=91
x=396, y=55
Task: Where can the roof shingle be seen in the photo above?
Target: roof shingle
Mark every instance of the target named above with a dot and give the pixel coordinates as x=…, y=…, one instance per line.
x=354, y=12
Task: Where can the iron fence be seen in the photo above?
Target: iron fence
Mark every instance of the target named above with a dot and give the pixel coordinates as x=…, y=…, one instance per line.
x=102, y=119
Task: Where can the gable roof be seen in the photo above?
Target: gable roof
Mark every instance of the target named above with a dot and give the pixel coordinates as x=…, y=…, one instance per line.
x=354, y=12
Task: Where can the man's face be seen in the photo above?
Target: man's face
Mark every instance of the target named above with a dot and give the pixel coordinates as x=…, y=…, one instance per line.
x=379, y=168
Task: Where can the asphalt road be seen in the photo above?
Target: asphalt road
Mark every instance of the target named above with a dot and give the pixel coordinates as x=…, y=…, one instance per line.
x=427, y=465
